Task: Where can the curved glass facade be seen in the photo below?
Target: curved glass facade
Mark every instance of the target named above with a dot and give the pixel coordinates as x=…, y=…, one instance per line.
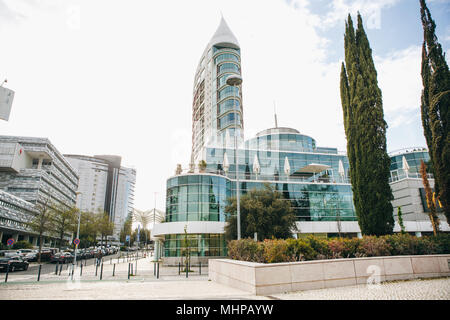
x=283, y=141
x=197, y=198
x=200, y=245
x=413, y=157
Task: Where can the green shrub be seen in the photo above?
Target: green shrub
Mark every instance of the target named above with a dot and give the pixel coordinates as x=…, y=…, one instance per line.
x=312, y=248
x=300, y=250
x=371, y=246
x=276, y=251
x=441, y=242
x=22, y=245
x=320, y=246
x=246, y=250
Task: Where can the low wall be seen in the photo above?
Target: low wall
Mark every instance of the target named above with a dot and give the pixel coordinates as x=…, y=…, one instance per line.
x=263, y=279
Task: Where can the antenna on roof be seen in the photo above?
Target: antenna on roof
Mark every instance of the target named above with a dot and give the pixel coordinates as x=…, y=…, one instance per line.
x=275, y=114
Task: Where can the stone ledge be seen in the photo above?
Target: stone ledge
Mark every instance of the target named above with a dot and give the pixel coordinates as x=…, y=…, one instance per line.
x=263, y=279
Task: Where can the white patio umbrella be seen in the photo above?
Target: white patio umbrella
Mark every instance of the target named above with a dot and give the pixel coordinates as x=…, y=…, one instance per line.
x=287, y=167
x=405, y=165
x=256, y=166
x=341, y=170
x=227, y=138
x=226, y=164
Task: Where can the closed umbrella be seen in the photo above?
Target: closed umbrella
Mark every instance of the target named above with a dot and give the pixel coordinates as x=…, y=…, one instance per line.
x=287, y=167
x=226, y=164
x=341, y=169
x=256, y=166
x=405, y=165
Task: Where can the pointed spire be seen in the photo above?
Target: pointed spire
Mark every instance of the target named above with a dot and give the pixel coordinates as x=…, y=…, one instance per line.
x=224, y=36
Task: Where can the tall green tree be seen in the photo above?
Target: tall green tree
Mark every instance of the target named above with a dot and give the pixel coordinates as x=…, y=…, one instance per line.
x=435, y=103
x=365, y=129
x=263, y=211
x=431, y=203
x=42, y=222
x=105, y=226
x=126, y=229
x=63, y=219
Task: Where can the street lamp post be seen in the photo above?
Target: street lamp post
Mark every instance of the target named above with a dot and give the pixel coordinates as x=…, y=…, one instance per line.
x=235, y=81
x=78, y=233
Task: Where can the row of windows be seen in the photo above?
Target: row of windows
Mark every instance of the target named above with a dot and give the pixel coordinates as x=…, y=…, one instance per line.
x=228, y=92
x=226, y=57
x=228, y=67
x=198, y=245
x=227, y=105
x=229, y=119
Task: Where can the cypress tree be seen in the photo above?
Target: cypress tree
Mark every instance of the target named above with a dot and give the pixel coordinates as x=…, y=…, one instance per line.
x=365, y=130
x=435, y=102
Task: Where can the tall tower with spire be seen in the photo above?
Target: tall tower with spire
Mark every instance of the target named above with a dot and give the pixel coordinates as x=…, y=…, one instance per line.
x=216, y=105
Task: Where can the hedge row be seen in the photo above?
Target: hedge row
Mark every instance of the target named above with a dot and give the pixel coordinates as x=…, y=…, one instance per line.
x=312, y=248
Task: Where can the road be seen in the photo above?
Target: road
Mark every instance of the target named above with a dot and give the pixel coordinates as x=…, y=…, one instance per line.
x=48, y=267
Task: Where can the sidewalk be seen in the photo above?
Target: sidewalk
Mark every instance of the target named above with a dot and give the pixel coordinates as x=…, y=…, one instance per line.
x=170, y=285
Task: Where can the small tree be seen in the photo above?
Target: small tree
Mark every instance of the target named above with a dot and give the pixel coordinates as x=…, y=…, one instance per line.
x=42, y=222
x=263, y=211
x=400, y=220
x=202, y=165
x=429, y=196
x=63, y=219
x=105, y=226
x=126, y=229
x=186, y=252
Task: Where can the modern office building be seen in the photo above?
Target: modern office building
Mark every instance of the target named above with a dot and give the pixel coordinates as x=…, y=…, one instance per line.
x=32, y=170
x=215, y=104
x=409, y=193
x=315, y=180
x=105, y=186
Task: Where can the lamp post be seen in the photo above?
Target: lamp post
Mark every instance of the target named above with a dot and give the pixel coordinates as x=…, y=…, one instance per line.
x=235, y=81
x=78, y=232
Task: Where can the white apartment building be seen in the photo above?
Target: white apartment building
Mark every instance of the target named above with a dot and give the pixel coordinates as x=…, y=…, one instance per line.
x=105, y=186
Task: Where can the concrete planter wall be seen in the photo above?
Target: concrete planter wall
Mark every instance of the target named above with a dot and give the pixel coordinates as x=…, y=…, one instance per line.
x=263, y=279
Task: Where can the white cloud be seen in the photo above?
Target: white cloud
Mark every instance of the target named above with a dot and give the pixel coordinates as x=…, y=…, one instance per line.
x=401, y=84
x=122, y=82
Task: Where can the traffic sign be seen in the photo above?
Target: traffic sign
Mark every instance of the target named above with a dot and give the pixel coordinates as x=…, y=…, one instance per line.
x=76, y=241
x=10, y=241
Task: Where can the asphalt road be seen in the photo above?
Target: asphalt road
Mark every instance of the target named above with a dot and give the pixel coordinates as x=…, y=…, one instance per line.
x=48, y=267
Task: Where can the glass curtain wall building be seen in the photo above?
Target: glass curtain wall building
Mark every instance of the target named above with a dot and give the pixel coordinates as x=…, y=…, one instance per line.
x=216, y=105
x=313, y=179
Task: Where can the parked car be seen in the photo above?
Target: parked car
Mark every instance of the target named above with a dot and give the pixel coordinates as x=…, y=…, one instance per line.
x=30, y=257
x=61, y=257
x=15, y=263
x=10, y=253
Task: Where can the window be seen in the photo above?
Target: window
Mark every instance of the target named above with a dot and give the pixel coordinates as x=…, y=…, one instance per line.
x=228, y=67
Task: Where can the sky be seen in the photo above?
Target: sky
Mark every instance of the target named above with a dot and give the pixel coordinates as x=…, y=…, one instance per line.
x=116, y=76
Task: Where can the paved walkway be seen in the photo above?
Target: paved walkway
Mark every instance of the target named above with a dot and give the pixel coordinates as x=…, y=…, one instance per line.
x=170, y=285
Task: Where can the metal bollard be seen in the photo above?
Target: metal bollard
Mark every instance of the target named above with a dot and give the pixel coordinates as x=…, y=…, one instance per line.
x=101, y=272
x=7, y=272
x=154, y=268
x=71, y=274
x=187, y=269
x=39, y=272
x=132, y=268
x=179, y=268
x=135, y=269
x=157, y=274
x=56, y=268
x=81, y=270
x=114, y=269
x=200, y=268
x=128, y=271
x=96, y=268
